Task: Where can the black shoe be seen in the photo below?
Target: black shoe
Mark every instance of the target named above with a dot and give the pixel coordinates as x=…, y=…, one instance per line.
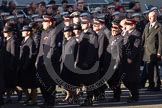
x=132, y=100
x=32, y=104
x=87, y=102
x=154, y=89
x=101, y=97
x=114, y=100
x=157, y=89
x=8, y=101
x=1, y=103
x=26, y=102
x=46, y=106
x=19, y=96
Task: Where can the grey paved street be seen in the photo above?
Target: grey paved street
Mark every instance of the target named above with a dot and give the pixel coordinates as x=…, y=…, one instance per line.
x=148, y=99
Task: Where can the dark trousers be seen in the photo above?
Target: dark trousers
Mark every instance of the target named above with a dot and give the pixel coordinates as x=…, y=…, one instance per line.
x=133, y=88
x=48, y=94
x=153, y=75
x=1, y=99
x=114, y=83
x=144, y=76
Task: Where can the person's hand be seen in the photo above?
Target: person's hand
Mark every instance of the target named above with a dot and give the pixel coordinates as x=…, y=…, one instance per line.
x=129, y=61
x=158, y=55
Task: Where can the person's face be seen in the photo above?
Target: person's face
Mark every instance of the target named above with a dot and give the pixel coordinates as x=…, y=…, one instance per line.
x=122, y=23
x=80, y=6
x=114, y=31
x=12, y=21
x=25, y=33
x=4, y=2
x=146, y=16
x=67, y=34
x=40, y=24
x=13, y=4
x=130, y=27
x=77, y=32
x=76, y=20
x=116, y=17
x=152, y=17
x=21, y=20
x=129, y=15
x=46, y=25
x=160, y=9
x=137, y=6
x=6, y=34
x=67, y=23
x=96, y=27
x=49, y=10
x=43, y=8
x=111, y=10
x=34, y=5
x=137, y=18
x=64, y=5
x=84, y=26
x=70, y=9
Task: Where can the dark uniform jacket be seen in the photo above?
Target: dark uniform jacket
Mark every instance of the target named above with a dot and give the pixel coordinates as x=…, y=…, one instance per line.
x=115, y=47
x=10, y=62
x=131, y=49
x=67, y=61
x=152, y=42
x=27, y=63
x=44, y=48
x=107, y=32
x=43, y=42
x=87, y=56
x=103, y=44
x=87, y=50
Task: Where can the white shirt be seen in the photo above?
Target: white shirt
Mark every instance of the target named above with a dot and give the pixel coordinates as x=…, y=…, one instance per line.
x=8, y=38
x=26, y=38
x=68, y=38
x=152, y=24
x=85, y=31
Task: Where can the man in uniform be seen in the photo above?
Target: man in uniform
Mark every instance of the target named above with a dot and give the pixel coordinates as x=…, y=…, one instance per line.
x=114, y=48
x=130, y=60
x=103, y=43
x=47, y=85
x=87, y=54
x=10, y=61
x=152, y=44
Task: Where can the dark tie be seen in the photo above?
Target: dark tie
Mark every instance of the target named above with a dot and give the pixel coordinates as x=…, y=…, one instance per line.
x=150, y=27
x=23, y=41
x=65, y=41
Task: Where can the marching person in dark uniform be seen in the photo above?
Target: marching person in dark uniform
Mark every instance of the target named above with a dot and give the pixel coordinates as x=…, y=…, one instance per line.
x=103, y=26
x=103, y=43
x=102, y=55
x=27, y=70
x=152, y=44
x=20, y=23
x=108, y=17
x=87, y=55
x=76, y=17
x=139, y=26
x=54, y=46
x=10, y=61
x=115, y=49
x=77, y=31
x=69, y=50
x=35, y=34
x=11, y=19
x=1, y=74
x=130, y=61
x=44, y=79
